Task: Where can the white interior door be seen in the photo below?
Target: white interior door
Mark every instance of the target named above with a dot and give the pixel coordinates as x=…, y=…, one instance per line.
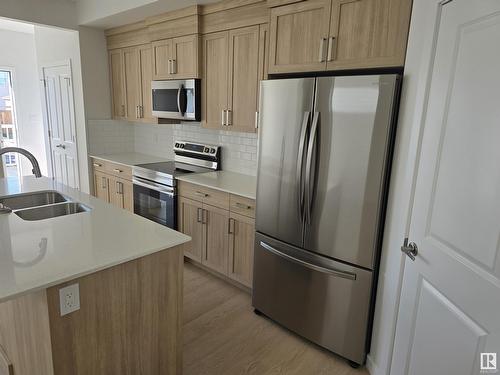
x=61, y=123
x=450, y=302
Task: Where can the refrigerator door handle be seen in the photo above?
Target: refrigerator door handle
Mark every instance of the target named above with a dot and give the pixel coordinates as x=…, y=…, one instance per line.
x=300, y=161
x=309, y=183
x=330, y=271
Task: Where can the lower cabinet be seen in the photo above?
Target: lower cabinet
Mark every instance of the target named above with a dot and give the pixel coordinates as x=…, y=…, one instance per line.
x=114, y=190
x=241, y=243
x=222, y=240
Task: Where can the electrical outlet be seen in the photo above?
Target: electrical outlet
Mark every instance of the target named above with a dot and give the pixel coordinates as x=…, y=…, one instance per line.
x=69, y=299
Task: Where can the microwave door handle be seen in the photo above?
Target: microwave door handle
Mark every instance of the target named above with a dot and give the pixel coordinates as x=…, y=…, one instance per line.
x=181, y=100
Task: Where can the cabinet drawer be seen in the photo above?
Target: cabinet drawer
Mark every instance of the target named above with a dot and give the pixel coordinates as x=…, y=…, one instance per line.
x=115, y=169
x=203, y=194
x=242, y=205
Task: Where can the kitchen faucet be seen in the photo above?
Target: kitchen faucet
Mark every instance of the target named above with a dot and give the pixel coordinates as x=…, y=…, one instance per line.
x=29, y=155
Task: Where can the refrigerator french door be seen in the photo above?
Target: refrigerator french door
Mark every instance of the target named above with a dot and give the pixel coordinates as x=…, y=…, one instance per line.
x=324, y=156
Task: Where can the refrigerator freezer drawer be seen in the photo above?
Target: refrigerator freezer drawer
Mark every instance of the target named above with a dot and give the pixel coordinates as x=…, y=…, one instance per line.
x=322, y=300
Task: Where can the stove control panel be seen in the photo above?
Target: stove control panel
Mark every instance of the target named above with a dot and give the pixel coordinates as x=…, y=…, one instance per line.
x=196, y=148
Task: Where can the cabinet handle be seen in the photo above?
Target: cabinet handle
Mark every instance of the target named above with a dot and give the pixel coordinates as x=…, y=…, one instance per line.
x=322, y=49
x=332, y=47
x=141, y=111
x=231, y=225
x=123, y=110
x=223, y=117
x=103, y=182
x=136, y=111
x=169, y=70
x=174, y=66
x=200, y=194
x=118, y=170
x=204, y=216
x=228, y=117
x=199, y=217
x=97, y=165
x=119, y=187
x=243, y=206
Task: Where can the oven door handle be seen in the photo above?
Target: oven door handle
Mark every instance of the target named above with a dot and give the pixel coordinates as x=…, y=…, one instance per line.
x=154, y=186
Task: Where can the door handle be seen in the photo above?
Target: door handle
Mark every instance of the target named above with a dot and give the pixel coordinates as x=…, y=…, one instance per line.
x=410, y=249
x=330, y=271
x=299, y=181
x=309, y=167
x=61, y=146
x=322, y=50
x=231, y=224
x=332, y=47
x=223, y=117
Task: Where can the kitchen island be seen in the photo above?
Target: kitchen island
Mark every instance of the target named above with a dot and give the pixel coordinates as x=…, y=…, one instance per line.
x=129, y=276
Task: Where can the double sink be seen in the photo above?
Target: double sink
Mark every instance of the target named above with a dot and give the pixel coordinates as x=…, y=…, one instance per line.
x=42, y=205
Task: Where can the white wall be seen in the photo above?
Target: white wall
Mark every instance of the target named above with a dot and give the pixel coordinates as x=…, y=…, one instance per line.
x=18, y=53
x=417, y=65
x=55, y=45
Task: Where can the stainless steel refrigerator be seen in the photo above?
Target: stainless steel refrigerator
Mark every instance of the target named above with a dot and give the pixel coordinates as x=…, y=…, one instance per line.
x=324, y=159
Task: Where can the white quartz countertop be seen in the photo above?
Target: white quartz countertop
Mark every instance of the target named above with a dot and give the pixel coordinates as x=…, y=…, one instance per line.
x=230, y=182
x=35, y=255
x=129, y=158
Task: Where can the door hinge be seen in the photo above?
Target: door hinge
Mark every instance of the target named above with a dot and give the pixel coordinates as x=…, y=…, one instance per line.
x=410, y=249
x=256, y=119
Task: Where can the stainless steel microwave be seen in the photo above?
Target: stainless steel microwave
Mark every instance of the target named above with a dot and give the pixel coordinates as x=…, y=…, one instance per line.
x=177, y=99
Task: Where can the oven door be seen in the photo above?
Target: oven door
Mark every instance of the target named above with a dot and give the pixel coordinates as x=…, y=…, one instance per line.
x=155, y=202
x=176, y=99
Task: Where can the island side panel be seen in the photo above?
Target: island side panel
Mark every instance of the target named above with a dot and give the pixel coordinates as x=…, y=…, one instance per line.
x=25, y=334
x=129, y=322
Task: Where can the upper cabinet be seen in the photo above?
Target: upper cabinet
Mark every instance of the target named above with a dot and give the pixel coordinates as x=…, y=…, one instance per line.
x=176, y=58
x=318, y=35
x=233, y=65
x=131, y=75
x=299, y=36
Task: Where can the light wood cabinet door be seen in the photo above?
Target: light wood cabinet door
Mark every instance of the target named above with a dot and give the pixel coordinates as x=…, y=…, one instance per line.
x=243, y=78
x=215, y=78
x=117, y=87
x=121, y=193
x=299, y=36
x=241, y=245
x=185, y=58
x=162, y=50
x=216, y=221
x=132, y=80
x=190, y=223
x=368, y=33
x=101, y=186
x=146, y=76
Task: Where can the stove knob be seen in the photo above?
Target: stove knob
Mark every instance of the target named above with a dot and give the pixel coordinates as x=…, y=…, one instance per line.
x=212, y=150
x=206, y=149
x=176, y=145
x=182, y=145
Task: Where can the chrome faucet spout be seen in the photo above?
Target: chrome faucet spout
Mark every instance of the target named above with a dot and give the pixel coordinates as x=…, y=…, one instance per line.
x=29, y=155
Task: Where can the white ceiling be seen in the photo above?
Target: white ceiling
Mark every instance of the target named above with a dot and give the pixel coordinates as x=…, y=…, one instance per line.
x=112, y=13
x=21, y=27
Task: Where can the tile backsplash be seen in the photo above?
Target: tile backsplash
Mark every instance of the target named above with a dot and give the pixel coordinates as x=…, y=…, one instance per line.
x=239, y=150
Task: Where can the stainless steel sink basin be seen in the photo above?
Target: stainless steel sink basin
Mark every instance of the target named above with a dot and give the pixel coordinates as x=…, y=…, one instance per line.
x=51, y=211
x=41, y=198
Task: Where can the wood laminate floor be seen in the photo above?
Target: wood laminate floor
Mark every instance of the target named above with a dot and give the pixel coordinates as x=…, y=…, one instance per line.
x=223, y=336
